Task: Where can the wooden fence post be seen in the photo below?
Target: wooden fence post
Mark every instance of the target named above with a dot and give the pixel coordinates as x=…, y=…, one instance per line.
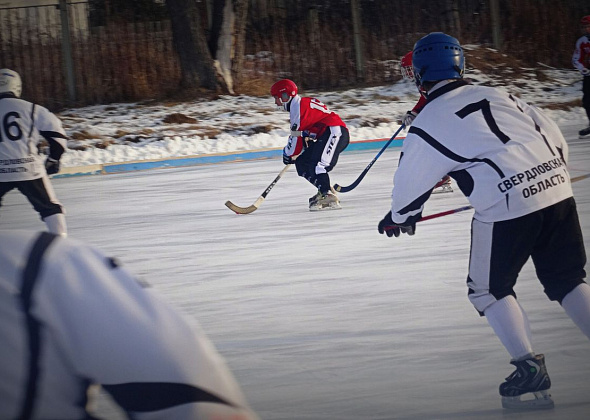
x=496, y=28
x=66, y=44
x=358, y=41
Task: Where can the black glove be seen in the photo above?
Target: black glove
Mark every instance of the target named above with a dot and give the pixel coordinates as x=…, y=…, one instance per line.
x=390, y=228
x=307, y=136
x=51, y=166
x=409, y=118
x=287, y=160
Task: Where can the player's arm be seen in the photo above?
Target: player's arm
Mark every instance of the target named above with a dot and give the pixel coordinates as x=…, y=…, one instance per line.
x=51, y=129
x=577, y=57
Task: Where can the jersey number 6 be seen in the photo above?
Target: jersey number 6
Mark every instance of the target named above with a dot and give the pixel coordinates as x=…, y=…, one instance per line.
x=11, y=129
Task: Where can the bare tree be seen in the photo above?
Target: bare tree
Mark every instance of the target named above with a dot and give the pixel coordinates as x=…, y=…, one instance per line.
x=241, y=7
x=196, y=63
x=227, y=39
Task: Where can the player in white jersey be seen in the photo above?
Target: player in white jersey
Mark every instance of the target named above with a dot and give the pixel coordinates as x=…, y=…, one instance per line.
x=71, y=319
x=581, y=61
x=318, y=136
x=23, y=125
x=510, y=161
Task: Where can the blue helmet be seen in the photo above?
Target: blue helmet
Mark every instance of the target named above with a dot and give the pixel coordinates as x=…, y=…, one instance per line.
x=437, y=56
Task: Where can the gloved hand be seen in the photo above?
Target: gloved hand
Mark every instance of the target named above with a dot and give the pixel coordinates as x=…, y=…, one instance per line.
x=585, y=72
x=390, y=228
x=287, y=160
x=51, y=166
x=409, y=118
x=307, y=136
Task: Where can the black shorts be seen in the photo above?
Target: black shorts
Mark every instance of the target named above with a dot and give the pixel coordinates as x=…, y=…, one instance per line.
x=321, y=156
x=38, y=191
x=552, y=237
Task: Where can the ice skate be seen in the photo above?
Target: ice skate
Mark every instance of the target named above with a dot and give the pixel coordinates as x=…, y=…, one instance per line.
x=529, y=379
x=327, y=201
x=584, y=133
x=444, y=186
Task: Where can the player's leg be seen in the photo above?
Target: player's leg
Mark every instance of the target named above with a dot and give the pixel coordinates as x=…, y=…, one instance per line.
x=4, y=188
x=40, y=194
x=559, y=259
x=586, y=104
x=333, y=141
x=498, y=253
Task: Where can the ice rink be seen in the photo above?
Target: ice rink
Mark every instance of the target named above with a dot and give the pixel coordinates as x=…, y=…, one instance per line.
x=319, y=316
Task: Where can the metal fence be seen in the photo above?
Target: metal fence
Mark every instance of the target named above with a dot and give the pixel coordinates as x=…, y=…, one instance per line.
x=315, y=42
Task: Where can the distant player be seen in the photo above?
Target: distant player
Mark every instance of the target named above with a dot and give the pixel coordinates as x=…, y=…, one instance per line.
x=318, y=136
x=581, y=61
x=444, y=185
x=510, y=161
x=23, y=125
x=73, y=320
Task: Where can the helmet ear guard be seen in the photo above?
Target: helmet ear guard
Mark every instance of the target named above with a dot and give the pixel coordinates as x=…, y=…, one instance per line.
x=406, y=67
x=585, y=21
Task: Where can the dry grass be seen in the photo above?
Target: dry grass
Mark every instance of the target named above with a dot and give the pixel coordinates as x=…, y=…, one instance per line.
x=178, y=118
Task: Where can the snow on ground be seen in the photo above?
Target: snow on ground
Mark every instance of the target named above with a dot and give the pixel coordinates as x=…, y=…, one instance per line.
x=240, y=123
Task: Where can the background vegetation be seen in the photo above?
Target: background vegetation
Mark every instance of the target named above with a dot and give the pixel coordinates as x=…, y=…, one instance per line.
x=137, y=50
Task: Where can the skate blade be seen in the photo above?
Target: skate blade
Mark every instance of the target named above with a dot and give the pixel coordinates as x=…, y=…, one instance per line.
x=332, y=206
x=542, y=400
x=442, y=190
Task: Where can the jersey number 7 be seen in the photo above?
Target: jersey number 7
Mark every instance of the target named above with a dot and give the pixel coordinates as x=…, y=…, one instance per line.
x=484, y=107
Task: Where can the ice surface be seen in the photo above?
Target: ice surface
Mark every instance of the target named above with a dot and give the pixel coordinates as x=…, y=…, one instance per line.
x=319, y=316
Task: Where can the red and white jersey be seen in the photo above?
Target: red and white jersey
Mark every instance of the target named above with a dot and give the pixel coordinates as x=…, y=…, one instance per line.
x=420, y=104
x=581, y=57
x=22, y=126
x=308, y=114
x=70, y=317
x=507, y=157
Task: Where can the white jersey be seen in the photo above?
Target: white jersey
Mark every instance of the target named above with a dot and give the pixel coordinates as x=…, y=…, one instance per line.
x=507, y=157
x=69, y=318
x=22, y=126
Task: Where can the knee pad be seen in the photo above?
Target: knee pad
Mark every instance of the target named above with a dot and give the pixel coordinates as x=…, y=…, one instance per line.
x=483, y=298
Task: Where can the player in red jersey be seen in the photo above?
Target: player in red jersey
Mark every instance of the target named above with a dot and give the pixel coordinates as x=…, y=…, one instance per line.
x=444, y=185
x=581, y=61
x=317, y=138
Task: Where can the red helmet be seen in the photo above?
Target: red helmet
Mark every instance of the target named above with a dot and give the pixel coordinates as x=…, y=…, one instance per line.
x=283, y=90
x=585, y=21
x=406, y=67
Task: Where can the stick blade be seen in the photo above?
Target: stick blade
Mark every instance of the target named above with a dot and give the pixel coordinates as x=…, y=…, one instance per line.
x=340, y=188
x=240, y=210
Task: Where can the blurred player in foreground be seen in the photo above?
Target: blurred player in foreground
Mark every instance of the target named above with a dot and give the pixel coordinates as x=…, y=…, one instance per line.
x=72, y=319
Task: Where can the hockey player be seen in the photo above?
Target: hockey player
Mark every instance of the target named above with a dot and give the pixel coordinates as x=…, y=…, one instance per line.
x=24, y=126
x=444, y=185
x=510, y=160
x=581, y=61
x=72, y=320
x=318, y=136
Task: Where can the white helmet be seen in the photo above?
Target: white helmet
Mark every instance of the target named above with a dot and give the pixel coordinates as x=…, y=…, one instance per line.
x=10, y=82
